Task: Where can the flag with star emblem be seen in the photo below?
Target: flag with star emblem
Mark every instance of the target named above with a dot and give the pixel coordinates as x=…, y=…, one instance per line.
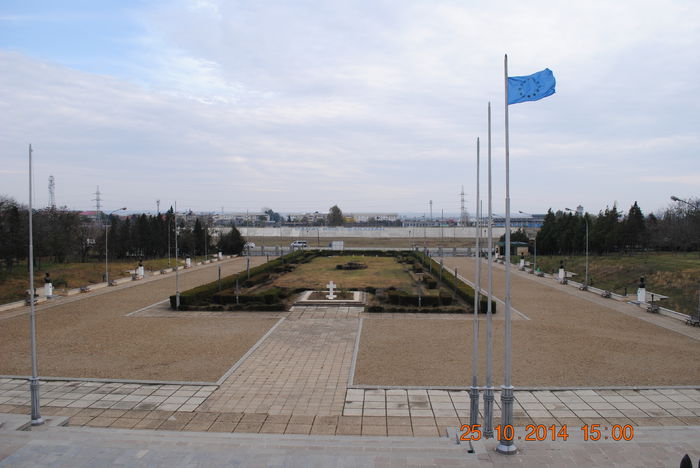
x=532, y=87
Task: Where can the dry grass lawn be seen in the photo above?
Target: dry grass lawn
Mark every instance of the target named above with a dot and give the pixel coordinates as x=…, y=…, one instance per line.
x=94, y=337
x=570, y=340
x=380, y=272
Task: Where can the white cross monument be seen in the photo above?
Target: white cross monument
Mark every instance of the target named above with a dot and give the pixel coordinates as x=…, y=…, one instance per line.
x=331, y=286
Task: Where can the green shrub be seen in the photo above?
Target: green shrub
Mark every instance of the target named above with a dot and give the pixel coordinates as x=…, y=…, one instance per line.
x=205, y=291
x=463, y=290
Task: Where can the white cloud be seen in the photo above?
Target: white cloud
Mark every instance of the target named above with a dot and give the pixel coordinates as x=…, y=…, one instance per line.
x=375, y=103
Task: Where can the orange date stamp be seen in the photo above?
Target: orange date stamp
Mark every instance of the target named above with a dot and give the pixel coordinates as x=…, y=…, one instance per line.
x=541, y=432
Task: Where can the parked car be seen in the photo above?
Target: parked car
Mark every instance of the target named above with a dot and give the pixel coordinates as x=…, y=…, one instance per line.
x=249, y=245
x=299, y=244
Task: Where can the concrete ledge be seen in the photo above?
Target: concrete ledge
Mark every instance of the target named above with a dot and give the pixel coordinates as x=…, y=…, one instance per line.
x=11, y=305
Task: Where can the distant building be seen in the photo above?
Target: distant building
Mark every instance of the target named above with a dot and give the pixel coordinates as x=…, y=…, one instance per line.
x=367, y=217
x=535, y=221
x=242, y=218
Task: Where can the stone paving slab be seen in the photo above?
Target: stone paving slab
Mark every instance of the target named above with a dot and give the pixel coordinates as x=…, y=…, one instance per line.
x=664, y=406
x=302, y=368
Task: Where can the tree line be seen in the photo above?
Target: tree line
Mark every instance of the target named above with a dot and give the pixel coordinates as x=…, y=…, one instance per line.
x=677, y=228
x=61, y=235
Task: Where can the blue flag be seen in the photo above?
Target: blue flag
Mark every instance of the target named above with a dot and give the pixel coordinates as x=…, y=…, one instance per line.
x=532, y=87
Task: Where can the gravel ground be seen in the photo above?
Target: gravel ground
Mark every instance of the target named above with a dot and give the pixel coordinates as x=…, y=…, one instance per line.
x=93, y=337
x=568, y=341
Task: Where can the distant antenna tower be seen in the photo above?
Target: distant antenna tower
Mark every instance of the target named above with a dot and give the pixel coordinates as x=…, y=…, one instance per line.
x=431, y=210
x=52, y=193
x=98, y=204
x=462, y=211
x=158, y=206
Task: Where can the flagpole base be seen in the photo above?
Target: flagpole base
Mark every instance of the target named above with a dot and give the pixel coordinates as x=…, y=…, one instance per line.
x=37, y=420
x=474, y=406
x=488, y=413
x=507, y=449
x=505, y=446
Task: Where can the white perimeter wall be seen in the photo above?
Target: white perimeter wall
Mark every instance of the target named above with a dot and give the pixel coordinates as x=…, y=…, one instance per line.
x=366, y=232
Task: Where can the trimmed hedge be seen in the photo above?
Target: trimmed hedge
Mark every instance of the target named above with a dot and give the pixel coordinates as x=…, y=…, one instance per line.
x=463, y=290
x=269, y=296
x=404, y=299
x=427, y=310
x=193, y=296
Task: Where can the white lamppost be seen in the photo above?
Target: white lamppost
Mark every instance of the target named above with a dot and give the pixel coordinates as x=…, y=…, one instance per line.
x=106, y=249
x=534, y=261
x=585, y=284
x=177, y=267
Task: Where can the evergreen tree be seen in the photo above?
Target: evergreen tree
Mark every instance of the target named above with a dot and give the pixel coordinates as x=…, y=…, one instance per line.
x=546, y=237
x=634, y=228
x=232, y=242
x=335, y=216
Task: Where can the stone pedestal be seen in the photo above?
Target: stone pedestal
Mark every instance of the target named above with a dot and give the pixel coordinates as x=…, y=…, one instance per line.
x=220, y=255
x=562, y=275
x=188, y=263
x=641, y=295
x=140, y=271
x=48, y=289
x=522, y=264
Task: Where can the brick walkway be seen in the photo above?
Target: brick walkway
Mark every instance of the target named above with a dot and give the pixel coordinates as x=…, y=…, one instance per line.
x=301, y=369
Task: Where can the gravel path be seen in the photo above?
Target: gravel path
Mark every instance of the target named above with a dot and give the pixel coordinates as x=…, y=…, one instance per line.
x=571, y=339
x=94, y=337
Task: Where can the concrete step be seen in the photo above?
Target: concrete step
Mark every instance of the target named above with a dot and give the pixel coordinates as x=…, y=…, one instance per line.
x=66, y=446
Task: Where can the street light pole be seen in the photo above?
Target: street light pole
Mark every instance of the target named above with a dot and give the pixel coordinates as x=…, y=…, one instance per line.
x=106, y=248
x=692, y=205
x=585, y=284
x=696, y=207
x=177, y=267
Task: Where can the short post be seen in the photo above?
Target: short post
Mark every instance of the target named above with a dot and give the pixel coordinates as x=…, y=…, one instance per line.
x=238, y=291
x=248, y=266
x=219, y=277
x=641, y=291
x=562, y=272
x=48, y=285
x=441, y=267
x=456, y=281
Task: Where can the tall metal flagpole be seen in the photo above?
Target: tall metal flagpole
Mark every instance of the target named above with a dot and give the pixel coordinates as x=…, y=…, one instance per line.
x=488, y=392
x=34, y=381
x=474, y=391
x=507, y=446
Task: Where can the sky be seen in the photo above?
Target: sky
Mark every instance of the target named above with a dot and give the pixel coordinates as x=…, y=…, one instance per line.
x=375, y=106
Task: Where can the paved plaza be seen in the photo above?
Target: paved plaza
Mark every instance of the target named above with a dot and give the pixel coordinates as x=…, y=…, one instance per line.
x=298, y=380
